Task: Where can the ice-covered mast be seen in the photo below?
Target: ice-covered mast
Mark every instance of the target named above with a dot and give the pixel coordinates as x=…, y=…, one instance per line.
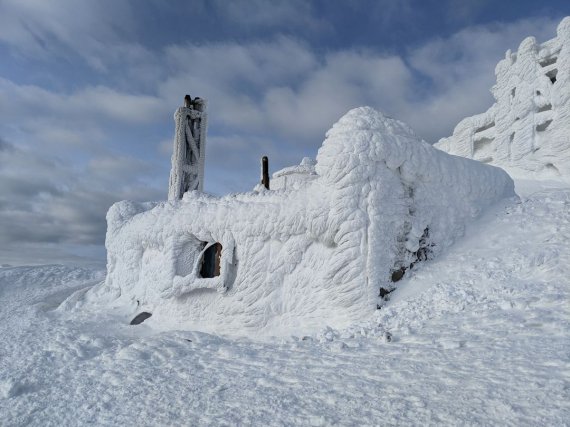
x=187, y=173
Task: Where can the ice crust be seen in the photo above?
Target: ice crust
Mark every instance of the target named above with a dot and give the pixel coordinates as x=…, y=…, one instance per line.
x=527, y=129
x=301, y=257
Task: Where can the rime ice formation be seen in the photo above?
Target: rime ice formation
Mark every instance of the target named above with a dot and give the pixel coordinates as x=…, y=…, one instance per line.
x=311, y=254
x=528, y=127
x=188, y=155
x=294, y=176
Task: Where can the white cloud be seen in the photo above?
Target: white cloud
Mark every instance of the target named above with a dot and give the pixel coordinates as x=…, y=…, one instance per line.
x=84, y=105
x=65, y=27
x=48, y=202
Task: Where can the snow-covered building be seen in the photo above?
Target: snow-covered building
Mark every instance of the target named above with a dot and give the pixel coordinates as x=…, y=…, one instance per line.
x=317, y=249
x=528, y=127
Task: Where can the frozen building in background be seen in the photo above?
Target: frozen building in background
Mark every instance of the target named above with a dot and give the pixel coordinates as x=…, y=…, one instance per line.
x=528, y=127
x=319, y=248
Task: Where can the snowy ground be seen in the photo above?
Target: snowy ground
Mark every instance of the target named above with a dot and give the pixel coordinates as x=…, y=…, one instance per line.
x=479, y=337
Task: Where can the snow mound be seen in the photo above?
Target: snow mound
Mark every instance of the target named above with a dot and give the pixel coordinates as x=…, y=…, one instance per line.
x=56, y=281
x=297, y=258
x=527, y=129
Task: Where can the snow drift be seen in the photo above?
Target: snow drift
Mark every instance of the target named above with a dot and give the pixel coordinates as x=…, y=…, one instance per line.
x=528, y=127
x=314, y=252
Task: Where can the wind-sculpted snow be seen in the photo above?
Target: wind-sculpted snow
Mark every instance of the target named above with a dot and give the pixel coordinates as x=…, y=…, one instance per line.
x=528, y=127
x=304, y=256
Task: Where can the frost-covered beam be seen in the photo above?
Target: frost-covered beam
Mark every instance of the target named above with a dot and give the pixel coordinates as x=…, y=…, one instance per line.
x=188, y=155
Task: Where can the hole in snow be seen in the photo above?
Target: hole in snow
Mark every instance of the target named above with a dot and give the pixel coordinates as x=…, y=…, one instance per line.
x=512, y=137
x=552, y=75
x=141, y=317
x=542, y=127
x=398, y=274
x=538, y=92
x=211, y=261
x=548, y=61
x=489, y=126
x=546, y=107
x=513, y=91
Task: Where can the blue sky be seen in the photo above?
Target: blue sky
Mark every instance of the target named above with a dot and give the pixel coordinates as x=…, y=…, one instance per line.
x=88, y=90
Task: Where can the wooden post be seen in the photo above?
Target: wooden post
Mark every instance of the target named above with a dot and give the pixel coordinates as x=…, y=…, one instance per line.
x=188, y=101
x=265, y=172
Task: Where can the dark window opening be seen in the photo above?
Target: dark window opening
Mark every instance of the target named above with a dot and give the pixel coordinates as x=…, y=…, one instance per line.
x=542, y=127
x=211, y=261
x=548, y=61
x=552, y=75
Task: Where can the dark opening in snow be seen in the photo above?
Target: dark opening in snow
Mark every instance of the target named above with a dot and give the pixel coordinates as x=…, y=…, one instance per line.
x=546, y=107
x=542, y=127
x=211, y=261
x=552, y=75
x=548, y=61
x=141, y=317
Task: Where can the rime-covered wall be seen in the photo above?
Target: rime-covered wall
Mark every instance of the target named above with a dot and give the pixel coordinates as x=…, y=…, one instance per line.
x=308, y=255
x=528, y=127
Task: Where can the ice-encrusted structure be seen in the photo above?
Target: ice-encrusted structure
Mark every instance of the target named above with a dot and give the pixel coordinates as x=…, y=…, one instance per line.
x=189, y=153
x=528, y=127
x=315, y=252
x=294, y=176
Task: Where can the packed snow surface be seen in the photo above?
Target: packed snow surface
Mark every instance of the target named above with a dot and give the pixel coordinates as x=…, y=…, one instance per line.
x=478, y=336
x=528, y=127
x=302, y=256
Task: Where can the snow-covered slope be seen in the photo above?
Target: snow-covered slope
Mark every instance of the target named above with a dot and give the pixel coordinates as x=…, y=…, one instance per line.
x=527, y=130
x=303, y=256
x=478, y=337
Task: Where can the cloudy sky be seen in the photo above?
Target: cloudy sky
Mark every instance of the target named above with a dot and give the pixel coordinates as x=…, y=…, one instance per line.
x=88, y=90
